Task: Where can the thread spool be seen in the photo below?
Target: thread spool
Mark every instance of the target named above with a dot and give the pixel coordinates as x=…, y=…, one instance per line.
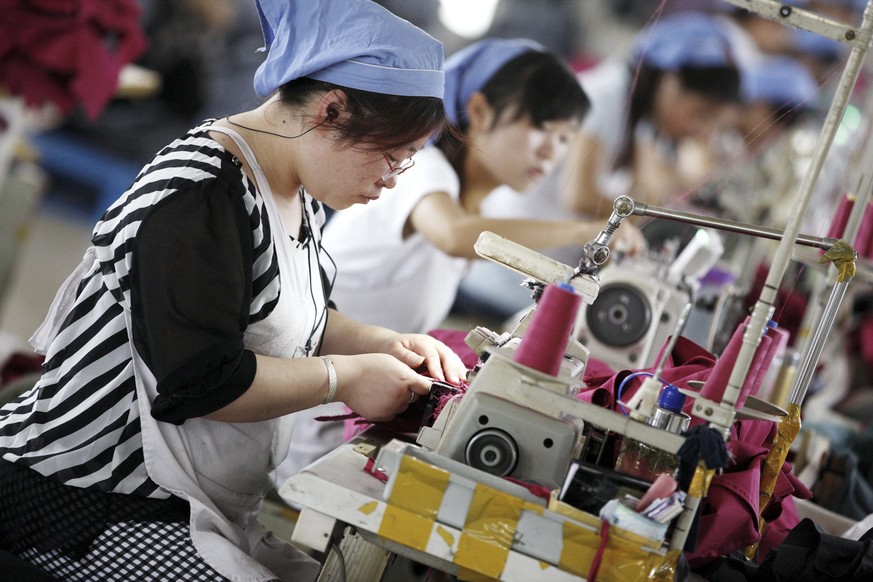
x=841, y=216
x=863, y=242
x=864, y=238
x=545, y=341
x=714, y=387
x=775, y=356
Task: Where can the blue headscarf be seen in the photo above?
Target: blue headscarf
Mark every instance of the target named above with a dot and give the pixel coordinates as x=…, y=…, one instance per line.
x=469, y=69
x=820, y=47
x=779, y=81
x=353, y=43
x=684, y=39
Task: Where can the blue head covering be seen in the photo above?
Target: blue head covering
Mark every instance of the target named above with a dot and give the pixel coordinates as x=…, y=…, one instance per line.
x=469, y=69
x=780, y=81
x=353, y=43
x=684, y=39
x=820, y=47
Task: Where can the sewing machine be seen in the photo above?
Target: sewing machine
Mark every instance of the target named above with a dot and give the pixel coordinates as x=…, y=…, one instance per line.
x=642, y=298
x=513, y=421
x=513, y=424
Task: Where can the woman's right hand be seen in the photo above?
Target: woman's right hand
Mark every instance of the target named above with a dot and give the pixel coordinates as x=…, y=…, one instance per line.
x=377, y=386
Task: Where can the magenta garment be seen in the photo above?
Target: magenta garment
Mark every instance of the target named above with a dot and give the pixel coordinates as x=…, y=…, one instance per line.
x=687, y=362
x=68, y=53
x=728, y=515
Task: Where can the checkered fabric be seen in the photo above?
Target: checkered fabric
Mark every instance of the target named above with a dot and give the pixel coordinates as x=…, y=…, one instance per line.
x=39, y=512
x=77, y=534
x=132, y=551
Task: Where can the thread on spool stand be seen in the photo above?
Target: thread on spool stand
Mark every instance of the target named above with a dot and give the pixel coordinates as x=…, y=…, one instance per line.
x=714, y=387
x=545, y=341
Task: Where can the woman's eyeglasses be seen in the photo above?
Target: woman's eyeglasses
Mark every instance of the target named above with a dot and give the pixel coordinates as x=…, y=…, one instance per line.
x=396, y=170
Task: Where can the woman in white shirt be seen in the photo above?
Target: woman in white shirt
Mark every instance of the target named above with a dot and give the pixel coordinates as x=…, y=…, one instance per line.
x=516, y=108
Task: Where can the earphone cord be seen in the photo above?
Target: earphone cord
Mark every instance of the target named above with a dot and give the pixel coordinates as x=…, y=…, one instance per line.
x=319, y=124
x=325, y=290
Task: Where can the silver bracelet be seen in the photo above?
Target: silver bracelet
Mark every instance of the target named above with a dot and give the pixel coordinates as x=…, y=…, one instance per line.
x=331, y=380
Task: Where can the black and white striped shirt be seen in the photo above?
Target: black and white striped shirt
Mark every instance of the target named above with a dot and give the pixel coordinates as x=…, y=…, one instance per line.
x=187, y=249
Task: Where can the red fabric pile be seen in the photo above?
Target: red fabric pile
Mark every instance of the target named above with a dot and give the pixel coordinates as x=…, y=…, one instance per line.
x=67, y=52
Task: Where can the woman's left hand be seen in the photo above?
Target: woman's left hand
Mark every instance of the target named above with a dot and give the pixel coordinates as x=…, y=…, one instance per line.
x=415, y=349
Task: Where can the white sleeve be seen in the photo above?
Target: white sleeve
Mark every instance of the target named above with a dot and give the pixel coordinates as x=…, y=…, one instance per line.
x=431, y=173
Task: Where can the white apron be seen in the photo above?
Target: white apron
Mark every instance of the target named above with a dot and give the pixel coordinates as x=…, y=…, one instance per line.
x=224, y=469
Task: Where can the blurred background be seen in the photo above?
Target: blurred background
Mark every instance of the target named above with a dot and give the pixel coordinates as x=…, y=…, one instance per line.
x=197, y=62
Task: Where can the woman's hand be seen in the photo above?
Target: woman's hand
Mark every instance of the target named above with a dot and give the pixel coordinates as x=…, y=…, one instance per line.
x=378, y=386
x=415, y=349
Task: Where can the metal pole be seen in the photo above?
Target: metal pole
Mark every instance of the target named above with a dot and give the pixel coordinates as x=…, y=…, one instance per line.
x=846, y=268
x=640, y=209
x=861, y=187
x=763, y=308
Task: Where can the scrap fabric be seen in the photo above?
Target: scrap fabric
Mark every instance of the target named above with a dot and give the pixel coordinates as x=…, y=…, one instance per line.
x=67, y=53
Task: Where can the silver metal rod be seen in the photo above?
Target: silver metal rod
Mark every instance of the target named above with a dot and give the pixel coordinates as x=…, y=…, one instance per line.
x=729, y=225
x=677, y=331
x=813, y=350
x=596, y=252
x=861, y=183
x=800, y=18
x=763, y=309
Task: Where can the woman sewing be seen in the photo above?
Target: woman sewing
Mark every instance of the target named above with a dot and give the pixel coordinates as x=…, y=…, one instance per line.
x=199, y=318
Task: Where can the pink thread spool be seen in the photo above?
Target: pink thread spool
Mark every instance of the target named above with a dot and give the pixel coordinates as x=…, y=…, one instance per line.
x=864, y=238
x=863, y=242
x=545, y=341
x=715, y=384
x=841, y=216
x=718, y=379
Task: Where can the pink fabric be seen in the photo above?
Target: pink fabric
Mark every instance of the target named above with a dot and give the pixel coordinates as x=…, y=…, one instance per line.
x=687, y=362
x=728, y=515
x=454, y=338
x=69, y=52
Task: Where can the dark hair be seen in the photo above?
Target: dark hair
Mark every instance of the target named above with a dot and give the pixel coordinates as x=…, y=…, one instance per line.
x=719, y=84
x=539, y=85
x=383, y=121
x=535, y=84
